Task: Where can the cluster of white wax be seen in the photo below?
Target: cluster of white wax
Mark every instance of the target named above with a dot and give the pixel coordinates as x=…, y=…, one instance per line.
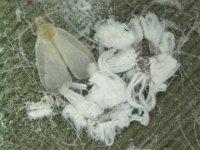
x=122, y=90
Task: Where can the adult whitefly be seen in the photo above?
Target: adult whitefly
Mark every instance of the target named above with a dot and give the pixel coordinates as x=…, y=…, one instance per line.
x=52, y=70
x=56, y=51
x=167, y=43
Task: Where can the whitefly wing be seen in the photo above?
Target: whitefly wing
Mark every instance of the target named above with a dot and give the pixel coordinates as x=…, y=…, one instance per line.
x=52, y=70
x=74, y=53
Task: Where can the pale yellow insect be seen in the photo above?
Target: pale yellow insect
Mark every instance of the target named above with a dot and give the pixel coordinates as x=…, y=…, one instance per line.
x=56, y=51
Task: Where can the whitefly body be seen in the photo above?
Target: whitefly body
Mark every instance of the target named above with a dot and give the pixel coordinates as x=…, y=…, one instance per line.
x=56, y=52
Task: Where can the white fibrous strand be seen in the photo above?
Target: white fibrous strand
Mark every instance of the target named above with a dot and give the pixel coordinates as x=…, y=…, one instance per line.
x=162, y=67
x=121, y=61
x=70, y=113
x=112, y=34
x=135, y=27
x=40, y=109
x=84, y=107
x=106, y=91
x=109, y=124
x=153, y=30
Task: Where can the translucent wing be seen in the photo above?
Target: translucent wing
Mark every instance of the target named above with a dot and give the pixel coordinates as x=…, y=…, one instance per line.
x=52, y=70
x=75, y=54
